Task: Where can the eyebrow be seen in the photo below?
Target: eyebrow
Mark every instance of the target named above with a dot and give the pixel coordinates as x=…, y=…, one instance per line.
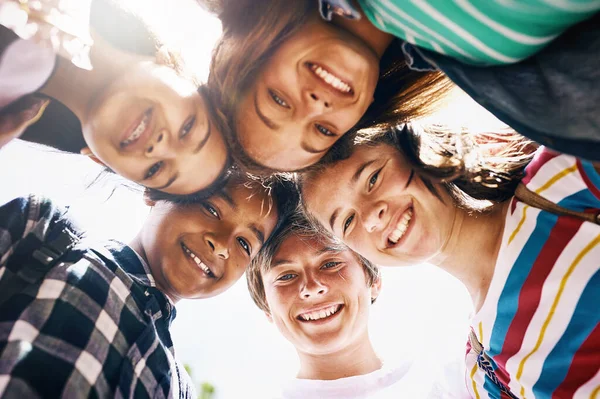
x=327, y=249
x=268, y=122
x=312, y=150
x=203, y=142
x=318, y=253
x=258, y=233
x=227, y=198
x=334, y=216
x=359, y=171
x=279, y=262
x=171, y=180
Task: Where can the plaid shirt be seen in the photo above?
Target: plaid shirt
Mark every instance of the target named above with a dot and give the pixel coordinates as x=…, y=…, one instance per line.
x=90, y=324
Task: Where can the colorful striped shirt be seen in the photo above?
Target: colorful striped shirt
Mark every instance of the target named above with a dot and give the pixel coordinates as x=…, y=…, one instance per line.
x=485, y=32
x=539, y=324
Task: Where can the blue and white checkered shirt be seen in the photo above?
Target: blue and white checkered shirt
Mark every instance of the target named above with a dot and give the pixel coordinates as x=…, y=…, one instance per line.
x=89, y=324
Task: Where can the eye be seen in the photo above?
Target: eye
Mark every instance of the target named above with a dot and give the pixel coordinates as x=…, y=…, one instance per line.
x=286, y=277
x=211, y=209
x=330, y=265
x=373, y=179
x=245, y=245
x=278, y=100
x=187, y=127
x=154, y=169
x=347, y=223
x=324, y=131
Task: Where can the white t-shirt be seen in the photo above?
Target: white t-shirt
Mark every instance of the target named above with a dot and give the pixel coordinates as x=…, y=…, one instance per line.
x=418, y=379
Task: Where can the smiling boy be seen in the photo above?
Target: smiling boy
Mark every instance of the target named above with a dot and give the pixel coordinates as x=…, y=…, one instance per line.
x=79, y=320
x=318, y=293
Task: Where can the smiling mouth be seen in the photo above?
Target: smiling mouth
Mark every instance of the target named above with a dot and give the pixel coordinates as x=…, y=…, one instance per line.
x=401, y=227
x=190, y=254
x=320, y=314
x=138, y=130
x=333, y=81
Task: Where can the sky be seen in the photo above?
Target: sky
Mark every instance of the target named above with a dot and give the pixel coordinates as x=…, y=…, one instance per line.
x=227, y=340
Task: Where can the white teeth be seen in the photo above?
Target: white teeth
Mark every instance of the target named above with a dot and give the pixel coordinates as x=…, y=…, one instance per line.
x=331, y=79
x=198, y=261
x=401, y=228
x=137, y=132
x=320, y=314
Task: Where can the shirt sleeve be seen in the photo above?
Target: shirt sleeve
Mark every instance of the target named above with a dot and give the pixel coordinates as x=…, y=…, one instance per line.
x=25, y=217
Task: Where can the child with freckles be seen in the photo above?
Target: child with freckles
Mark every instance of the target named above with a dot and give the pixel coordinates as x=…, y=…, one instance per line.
x=318, y=294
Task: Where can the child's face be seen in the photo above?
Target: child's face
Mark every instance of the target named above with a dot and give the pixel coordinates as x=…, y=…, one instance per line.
x=379, y=207
x=318, y=297
x=315, y=87
x=200, y=250
x=153, y=127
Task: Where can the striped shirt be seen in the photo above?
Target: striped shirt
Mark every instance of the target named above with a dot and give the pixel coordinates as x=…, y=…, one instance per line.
x=484, y=32
x=539, y=324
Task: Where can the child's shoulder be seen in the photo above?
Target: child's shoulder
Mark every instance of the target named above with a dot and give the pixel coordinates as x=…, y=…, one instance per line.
x=557, y=176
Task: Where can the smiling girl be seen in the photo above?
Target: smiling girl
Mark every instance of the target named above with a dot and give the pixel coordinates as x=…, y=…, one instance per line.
x=132, y=112
x=81, y=319
x=526, y=247
x=292, y=84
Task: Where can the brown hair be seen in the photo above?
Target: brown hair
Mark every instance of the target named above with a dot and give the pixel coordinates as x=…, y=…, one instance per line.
x=477, y=170
x=254, y=30
x=296, y=225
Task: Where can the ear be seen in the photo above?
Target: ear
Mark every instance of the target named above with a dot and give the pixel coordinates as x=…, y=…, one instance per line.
x=88, y=153
x=376, y=288
x=269, y=317
x=147, y=199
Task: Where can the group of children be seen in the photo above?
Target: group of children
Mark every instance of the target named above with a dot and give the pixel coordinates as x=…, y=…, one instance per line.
x=329, y=90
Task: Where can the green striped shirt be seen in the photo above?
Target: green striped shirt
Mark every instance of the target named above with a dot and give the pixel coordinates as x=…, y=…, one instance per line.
x=481, y=32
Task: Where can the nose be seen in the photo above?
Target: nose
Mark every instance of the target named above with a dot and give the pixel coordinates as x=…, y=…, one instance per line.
x=159, y=145
x=374, y=216
x=218, y=246
x=317, y=102
x=312, y=287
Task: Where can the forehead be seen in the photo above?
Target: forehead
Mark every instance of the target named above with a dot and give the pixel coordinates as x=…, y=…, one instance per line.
x=298, y=247
x=249, y=201
x=307, y=250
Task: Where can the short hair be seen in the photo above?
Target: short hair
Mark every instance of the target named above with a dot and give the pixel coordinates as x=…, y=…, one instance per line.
x=295, y=225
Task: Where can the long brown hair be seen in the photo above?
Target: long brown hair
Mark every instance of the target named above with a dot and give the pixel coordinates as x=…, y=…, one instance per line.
x=478, y=170
x=254, y=30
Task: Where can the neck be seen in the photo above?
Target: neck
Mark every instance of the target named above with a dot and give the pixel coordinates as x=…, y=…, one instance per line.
x=471, y=252
x=357, y=359
x=378, y=40
x=77, y=88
